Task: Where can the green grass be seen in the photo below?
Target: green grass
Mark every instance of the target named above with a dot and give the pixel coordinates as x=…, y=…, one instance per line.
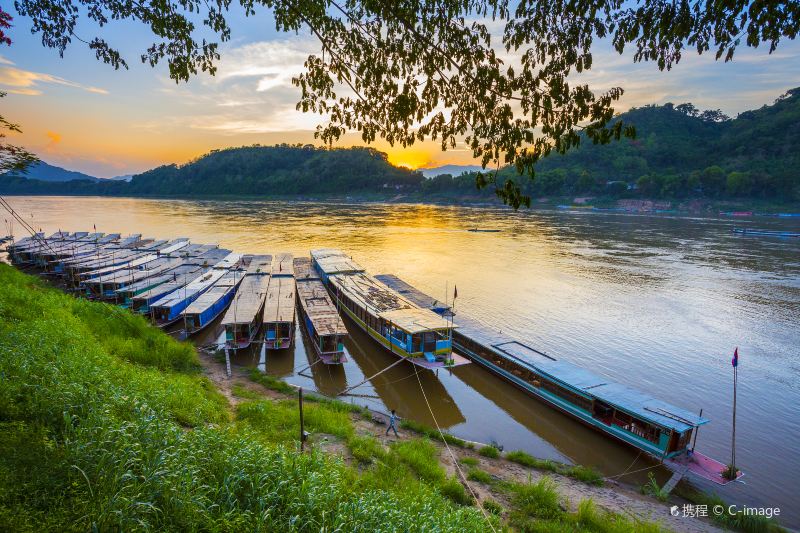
x=452, y=489
x=738, y=521
x=469, y=461
x=480, y=476
x=432, y=433
x=366, y=449
x=652, y=488
x=493, y=507
x=106, y=425
x=244, y=392
x=271, y=382
x=538, y=500
x=489, y=451
x=586, y=474
x=422, y=457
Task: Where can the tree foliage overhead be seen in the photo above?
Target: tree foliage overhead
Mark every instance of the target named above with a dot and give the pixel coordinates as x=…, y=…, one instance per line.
x=492, y=72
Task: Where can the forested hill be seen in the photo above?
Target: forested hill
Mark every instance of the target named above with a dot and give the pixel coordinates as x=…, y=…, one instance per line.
x=682, y=152
x=277, y=170
x=249, y=171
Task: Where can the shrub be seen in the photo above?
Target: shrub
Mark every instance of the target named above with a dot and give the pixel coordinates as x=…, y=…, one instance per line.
x=489, y=451
x=454, y=490
x=538, y=500
x=366, y=449
x=422, y=457
x=493, y=507
x=469, y=461
x=479, y=475
x=652, y=488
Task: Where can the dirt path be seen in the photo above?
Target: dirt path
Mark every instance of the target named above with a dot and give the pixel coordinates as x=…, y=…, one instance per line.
x=612, y=496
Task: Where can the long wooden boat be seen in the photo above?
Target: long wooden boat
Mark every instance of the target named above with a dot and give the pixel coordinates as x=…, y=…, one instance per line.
x=168, y=309
x=108, y=285
x=141, y=294
x=631, y=416
x=320, y=316
x=396, y=323
x=212, y=303
x=242, y=322
x=279, y=314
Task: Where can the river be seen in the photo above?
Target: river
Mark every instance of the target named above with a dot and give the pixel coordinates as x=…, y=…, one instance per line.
x=655, y=302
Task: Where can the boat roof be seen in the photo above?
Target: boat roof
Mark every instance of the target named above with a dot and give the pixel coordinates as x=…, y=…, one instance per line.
x=223, y=285
x=164, y=276
x=411, y=293
x=175, y=281
x=332, y=261
x=197, y=285
x=248, y=300
x=229, y=261
x=259, y=265
x=414, y=319
x=585, y=382
x=279, y=305
x=304, y=270
x=319, y=307
x=282, y=265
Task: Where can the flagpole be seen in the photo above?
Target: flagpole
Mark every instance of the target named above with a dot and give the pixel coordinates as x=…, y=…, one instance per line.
x=732, y=469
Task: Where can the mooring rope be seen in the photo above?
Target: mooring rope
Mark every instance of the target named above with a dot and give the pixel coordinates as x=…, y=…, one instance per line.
x=348, y=389
x=452, y=455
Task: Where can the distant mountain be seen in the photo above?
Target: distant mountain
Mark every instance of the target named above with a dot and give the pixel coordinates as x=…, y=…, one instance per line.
x=453, y=170
x=45, y=172
x=123, y=177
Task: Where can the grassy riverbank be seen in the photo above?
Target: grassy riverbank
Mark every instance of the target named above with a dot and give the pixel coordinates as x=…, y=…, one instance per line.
x=107, y=423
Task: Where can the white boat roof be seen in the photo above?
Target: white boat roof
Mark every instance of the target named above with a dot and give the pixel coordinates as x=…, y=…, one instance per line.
x=248, y=301
x=198, y=285
x=210, y=297
x=333, y=261
x=229, y=261
x=279, y=305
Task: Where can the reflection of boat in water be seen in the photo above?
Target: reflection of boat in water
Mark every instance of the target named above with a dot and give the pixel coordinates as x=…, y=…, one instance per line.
x=320, y=317
x=403, y=328
x=397, y=387
x=653, y=426
x=242, y=322
x=481, y=230
x=329, y=380
x=279, y=306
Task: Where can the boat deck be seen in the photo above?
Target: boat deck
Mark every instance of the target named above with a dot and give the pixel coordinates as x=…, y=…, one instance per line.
x=281, y=295
x=702, y=466
x=249, y=299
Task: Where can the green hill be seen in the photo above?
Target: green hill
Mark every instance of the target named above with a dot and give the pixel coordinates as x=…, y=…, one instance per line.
x=680, y=152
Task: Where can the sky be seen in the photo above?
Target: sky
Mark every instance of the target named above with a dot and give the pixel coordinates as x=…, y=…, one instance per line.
x=81, y=114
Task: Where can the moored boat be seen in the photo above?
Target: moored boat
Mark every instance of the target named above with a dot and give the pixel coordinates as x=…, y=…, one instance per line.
x=320, y=317
x=242, y=321
x=278, y=316
x=396, y=323
x=653, y=426
x=212, y=303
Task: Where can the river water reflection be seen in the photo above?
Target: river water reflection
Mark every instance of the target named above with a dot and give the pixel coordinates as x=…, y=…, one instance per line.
x=655, y=302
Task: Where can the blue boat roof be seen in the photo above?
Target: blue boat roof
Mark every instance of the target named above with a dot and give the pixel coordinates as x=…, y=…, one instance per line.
x=586, y=382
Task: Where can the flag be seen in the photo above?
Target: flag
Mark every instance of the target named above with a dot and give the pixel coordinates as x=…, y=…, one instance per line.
x=735, y=360
x=455, y=292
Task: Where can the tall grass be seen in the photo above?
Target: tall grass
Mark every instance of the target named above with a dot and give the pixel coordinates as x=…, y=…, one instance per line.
x=105, y=425
x=586, y=474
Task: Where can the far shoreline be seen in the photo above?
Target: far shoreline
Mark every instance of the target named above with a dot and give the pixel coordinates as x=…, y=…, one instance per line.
x=734, y=209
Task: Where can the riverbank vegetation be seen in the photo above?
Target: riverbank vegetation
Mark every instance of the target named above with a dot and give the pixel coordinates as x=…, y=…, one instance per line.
x=91, y=438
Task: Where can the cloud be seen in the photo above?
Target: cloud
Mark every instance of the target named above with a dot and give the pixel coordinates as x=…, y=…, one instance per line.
x=54, y=137
x=27, y=82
